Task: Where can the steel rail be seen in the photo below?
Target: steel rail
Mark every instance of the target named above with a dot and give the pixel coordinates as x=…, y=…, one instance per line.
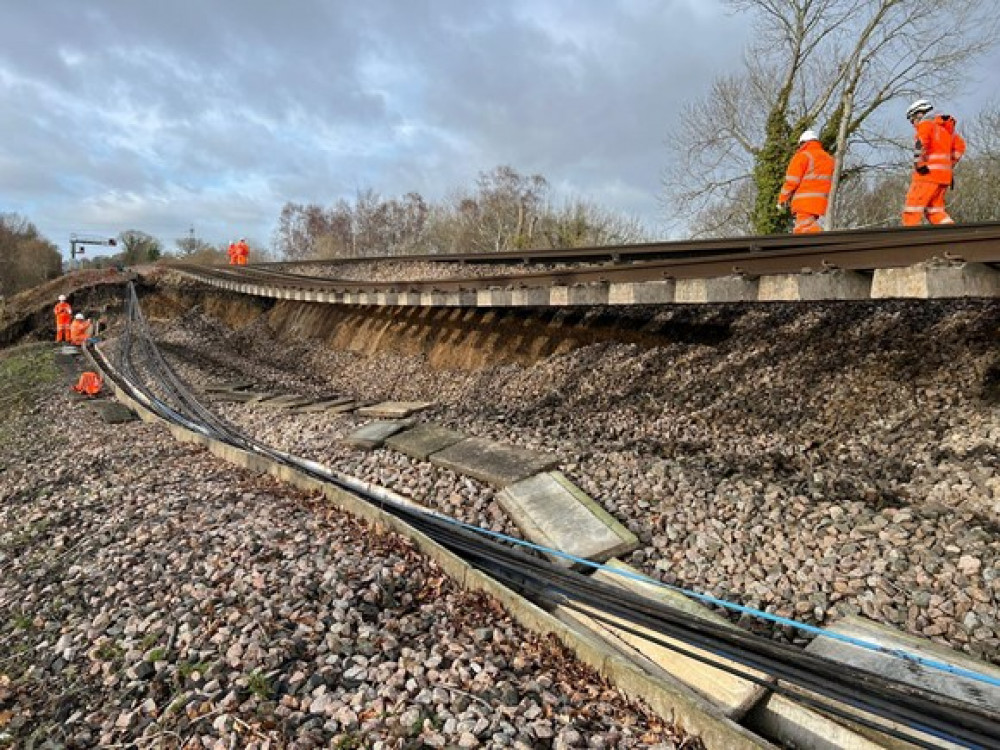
x=665, y=249
x=925, y=712
x=896, y=251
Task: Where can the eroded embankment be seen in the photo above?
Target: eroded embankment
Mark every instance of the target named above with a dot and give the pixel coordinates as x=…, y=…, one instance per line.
x=450, y=338
x=815, y=460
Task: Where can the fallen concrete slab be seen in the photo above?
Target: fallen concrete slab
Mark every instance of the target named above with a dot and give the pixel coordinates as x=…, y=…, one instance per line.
x=322, y=405
x=373, y=434
x=498, y=464
x=554, y=512
x=394, y=409
x=733, y=695
x=241, y=397
x=423, y=440
x=113, y=412
x=239, y=385
x=288, y=402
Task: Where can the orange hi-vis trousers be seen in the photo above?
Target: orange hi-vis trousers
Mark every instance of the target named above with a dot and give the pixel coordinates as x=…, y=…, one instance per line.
x=62, y=332
x=806, y=224
x=925, y=199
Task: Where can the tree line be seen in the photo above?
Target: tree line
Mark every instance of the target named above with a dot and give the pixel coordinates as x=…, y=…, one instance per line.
x=505, y=210
x=26, y=258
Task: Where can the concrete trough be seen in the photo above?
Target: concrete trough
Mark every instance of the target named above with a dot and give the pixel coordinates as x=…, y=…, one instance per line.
x=733, y=695
x=936, y=281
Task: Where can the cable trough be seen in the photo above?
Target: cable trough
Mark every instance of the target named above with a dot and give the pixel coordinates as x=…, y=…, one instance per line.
x=898, y=710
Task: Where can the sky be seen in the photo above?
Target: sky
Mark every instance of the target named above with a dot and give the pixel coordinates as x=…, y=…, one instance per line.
x=167, y=116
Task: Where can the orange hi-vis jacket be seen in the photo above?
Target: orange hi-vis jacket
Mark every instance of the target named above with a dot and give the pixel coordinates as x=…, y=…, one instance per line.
x=64, y=313
x=807, y=180
x=79, y=330
x=233, y=254
x=242, y=253
x=90, y=384
x=937, y=148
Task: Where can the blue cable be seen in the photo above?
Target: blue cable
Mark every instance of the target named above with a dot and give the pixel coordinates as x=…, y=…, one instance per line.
x=898, y=653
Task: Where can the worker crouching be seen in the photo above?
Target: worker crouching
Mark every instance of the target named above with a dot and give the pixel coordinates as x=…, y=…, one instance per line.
x=807, y=184
x=79, y=330
x=89, y=384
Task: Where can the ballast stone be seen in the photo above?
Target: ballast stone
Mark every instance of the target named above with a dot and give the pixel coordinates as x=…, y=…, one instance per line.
x=555, y=513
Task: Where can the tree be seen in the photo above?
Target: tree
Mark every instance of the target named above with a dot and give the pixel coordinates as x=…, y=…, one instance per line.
x=138, y=247
x=831, y=65
x=26, y=258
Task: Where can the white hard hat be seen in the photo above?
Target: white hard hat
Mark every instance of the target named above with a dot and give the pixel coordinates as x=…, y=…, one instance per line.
x=78, y=316
x=62, y=297
x=919, y=107
x=808, y=135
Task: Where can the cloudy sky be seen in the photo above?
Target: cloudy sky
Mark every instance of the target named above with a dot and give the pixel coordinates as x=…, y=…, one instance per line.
x=161, y=116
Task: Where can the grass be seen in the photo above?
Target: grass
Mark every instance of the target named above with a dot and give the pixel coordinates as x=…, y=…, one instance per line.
x=157, y=654
x=24, y=372
x=259, y=685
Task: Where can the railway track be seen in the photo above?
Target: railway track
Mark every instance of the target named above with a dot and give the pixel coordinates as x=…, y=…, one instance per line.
x=914, y=715
x=673, y=250
x=859, y=254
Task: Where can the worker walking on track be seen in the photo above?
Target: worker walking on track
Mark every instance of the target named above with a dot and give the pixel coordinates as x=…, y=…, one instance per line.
x=937, y=148
x=233, y=254
x=242, y=252
x=807, y=184
x=79, y=330
x=64, y=316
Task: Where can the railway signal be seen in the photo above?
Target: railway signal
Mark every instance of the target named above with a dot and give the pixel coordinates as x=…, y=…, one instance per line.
x=76, y=242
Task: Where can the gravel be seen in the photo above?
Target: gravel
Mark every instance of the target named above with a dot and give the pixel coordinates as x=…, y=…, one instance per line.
x=813, y=461
x=155, y=596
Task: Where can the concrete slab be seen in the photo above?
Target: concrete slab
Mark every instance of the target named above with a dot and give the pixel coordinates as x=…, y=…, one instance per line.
x=642, y=293
x=238, y=385
x=114, y=413
x=289, y=401
x=579, y=294
x=794, y=287
x=345, y=407
x=954, y=686
x=423, y=440
x=735, y=288
x=496, y=463
x=793, y=725
x=554, y=512
x=937, y=280
x=325, y=404
x=242, y=396
x=394, y=409
x=733, y=695
x=373, y=434
x=530, y=297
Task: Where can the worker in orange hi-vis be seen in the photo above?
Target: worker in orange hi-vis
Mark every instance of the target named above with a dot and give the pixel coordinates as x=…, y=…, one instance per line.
x=64, y=315
x=233, y=253
x=79, y=330
x=807, y=184
x=937, y=148
x=89, y=384
x=242, y=252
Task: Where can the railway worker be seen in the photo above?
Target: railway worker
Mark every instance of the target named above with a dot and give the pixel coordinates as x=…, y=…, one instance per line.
x=233, y=253
x=807, y=184
x=79, y=330
x=937, y=148
x=242, y=252
x=89, y=384
x=64, y=315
